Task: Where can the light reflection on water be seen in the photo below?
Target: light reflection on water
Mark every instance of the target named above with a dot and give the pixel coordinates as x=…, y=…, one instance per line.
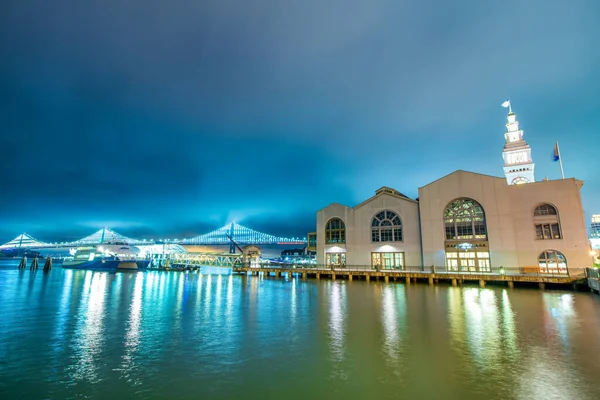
x=176, y=335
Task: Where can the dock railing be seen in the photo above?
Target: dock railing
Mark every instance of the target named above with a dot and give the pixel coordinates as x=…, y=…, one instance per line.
x=498, y=271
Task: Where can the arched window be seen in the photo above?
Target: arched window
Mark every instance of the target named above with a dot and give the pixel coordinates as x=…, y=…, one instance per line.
x=335, y=231
x=547, y=225
x=519, y=180
x=552, y=262
x=544, y=209
x=464, y=219
x=386, y=227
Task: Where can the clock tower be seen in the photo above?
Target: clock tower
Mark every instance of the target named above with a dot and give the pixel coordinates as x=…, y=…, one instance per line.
x=518, y=166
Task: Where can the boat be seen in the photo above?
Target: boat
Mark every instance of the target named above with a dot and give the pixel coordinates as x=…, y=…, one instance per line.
x=110, y=256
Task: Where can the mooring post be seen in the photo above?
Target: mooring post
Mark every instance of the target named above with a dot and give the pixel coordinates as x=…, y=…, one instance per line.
x=48, y=264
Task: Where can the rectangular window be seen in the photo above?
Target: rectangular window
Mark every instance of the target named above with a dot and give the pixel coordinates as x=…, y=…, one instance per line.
x=335, y=259
x=386, y=235
x=450, y=233
x=547, y=231
x=466, y=254
x=468, y=261
x=452, y=264
x=375, y=235
x=484, y=265
x=387, y=260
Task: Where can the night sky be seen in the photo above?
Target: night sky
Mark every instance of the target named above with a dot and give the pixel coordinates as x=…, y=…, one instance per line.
x=170, y=118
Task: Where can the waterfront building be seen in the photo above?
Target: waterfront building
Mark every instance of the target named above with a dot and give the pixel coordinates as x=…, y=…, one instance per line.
x=595, y=234
x=464, y=221
x=381, y=231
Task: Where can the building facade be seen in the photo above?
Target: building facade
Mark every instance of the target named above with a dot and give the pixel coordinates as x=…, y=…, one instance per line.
x=464, y=221
x=382, y=231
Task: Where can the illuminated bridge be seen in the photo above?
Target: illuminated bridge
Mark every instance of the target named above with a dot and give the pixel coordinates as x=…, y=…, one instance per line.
x=230, y=234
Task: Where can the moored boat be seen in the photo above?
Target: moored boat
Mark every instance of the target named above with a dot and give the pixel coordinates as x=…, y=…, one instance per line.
x=107, y=257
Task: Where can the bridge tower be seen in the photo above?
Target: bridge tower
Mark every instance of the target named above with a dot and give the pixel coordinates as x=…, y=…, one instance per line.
x=232, y=244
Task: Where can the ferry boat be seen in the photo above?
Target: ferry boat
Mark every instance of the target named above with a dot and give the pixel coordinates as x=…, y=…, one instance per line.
x=113, y=256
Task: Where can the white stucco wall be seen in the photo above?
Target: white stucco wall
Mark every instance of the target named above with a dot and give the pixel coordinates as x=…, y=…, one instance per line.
x=509, y=218
x=358, y=220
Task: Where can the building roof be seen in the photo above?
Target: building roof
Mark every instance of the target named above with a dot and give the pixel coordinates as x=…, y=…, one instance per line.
x=462, y=172
x=384, y=190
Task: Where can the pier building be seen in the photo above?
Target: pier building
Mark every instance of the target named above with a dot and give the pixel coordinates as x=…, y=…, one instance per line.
x=464, y=221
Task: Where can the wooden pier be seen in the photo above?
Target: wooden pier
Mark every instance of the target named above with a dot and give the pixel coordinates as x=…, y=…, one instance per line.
x=573, y=280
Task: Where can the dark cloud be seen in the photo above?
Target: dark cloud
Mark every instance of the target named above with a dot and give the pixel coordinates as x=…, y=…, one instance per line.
x=173, y=119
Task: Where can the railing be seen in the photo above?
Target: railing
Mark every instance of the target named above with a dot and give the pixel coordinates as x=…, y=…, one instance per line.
x=593, y=273
x=497, y=271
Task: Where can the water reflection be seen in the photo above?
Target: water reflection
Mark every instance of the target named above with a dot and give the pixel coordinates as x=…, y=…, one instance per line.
x=89, y=336
x=337, y=306
x=132, y=337
x=559, y=314
x=509, y=330
x=476, y=324
x=393, y=318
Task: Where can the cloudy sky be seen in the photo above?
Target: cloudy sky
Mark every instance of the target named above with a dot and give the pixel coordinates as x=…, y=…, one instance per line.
x=161, y=118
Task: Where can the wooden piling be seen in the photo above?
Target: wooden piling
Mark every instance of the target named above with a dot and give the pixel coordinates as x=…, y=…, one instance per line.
x=481, y=283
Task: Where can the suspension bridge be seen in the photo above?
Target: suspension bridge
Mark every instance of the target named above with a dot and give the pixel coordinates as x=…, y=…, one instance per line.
x=232, y=234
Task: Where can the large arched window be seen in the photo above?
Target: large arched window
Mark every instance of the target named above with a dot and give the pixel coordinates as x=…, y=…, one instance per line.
x=464, y=219
x=547, y=225
x=552, y=262
x=335, y=231
x=386, y=227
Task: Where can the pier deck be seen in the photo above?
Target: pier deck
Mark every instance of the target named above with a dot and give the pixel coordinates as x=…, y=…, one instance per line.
x=572, y=279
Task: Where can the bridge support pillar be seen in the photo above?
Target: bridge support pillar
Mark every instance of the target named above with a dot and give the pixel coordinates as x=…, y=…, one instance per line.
x=431, y=281
x=511, y=284
x=350, y=277
x=387, y=279
x=542, y=286
x=481, y=283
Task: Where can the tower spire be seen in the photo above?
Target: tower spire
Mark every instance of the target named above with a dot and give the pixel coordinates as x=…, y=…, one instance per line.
x=518, y=165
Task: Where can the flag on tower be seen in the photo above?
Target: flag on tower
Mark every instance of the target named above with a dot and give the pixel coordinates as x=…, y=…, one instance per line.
x=506, y=103
x=558, y=158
